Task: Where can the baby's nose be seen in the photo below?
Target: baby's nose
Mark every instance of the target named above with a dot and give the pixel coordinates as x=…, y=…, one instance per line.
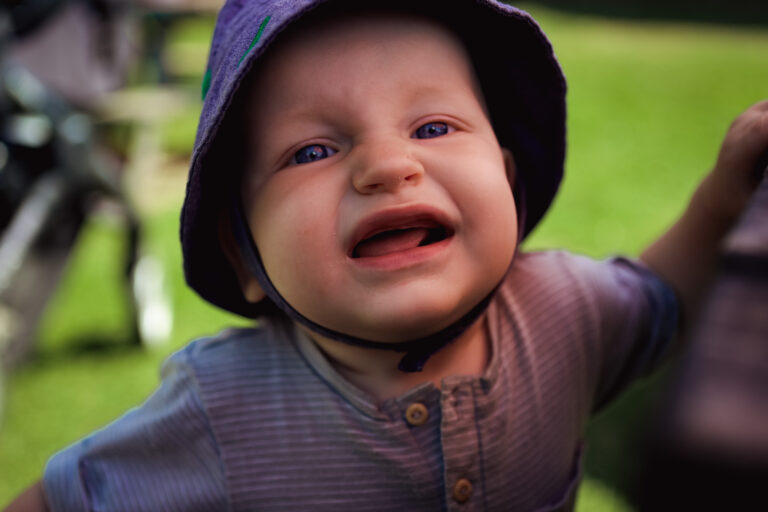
x=385, y=166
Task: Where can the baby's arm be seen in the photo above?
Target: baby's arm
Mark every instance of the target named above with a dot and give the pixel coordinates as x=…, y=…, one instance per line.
x=686, y=255
x=31, y=500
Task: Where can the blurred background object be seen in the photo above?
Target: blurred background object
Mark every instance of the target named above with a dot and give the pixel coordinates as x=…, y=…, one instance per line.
x=63, y=62
x=59, y=59
x=80, y=49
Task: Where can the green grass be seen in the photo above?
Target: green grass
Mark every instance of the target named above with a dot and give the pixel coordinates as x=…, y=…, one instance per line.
x=648, y=106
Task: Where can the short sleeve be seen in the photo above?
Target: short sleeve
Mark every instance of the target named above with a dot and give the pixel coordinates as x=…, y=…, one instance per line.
x=159, y=456
x=637, y=321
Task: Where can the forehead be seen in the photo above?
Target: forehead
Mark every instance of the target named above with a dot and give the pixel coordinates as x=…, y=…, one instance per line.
x=357, y=47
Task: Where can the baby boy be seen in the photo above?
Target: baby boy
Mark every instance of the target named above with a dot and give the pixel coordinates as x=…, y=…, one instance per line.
x=361, y=181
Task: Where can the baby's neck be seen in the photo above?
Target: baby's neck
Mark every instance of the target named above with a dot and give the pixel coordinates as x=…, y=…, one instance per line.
x=376, y=372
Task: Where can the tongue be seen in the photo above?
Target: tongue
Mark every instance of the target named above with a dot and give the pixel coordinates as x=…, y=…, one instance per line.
x=391, y=241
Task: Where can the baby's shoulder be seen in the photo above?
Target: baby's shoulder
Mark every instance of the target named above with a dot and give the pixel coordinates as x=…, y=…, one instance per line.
x=576, y=270
x=560, y=268
x=559, y=281
x=260, y=352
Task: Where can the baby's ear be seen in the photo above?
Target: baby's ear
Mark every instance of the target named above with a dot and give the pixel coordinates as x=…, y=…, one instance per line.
x=509, y=164
x=248, y=283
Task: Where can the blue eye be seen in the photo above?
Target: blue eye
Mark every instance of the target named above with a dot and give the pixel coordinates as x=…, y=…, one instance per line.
x=431, y=130
x=312, y=153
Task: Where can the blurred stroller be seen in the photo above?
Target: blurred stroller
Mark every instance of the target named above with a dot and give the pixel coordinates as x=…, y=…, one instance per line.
x=57, y=60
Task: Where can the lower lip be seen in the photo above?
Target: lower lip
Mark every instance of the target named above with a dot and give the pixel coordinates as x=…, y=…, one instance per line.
x=403, y=259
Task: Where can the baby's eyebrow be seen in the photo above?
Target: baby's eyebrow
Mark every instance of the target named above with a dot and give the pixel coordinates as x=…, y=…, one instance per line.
x=274, y=142
x=303, y=124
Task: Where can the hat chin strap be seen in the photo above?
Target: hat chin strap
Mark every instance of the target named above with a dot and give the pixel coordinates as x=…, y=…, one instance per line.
x=417, y=351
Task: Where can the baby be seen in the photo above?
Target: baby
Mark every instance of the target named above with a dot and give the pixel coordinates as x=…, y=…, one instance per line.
x=361, y=181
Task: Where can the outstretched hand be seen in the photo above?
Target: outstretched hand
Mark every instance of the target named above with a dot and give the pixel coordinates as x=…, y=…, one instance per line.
x=740, y=164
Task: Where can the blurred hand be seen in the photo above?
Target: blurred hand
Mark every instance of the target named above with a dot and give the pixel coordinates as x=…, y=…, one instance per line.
x=733, y=179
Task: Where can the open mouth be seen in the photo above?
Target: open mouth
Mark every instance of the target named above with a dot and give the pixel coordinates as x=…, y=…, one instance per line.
x=390, y=241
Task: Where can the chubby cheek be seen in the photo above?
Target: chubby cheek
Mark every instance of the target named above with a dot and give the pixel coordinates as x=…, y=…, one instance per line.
x=292, y=228
x=489, y=211
x=494, y=241
x=496, y=224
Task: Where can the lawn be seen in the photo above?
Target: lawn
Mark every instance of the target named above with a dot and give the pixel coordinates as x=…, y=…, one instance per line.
x=649, y=103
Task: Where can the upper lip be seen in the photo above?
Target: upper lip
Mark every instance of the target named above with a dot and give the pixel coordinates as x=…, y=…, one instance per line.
x=417, y=216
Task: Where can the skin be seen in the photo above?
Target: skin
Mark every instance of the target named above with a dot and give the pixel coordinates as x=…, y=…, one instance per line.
x=31, y=500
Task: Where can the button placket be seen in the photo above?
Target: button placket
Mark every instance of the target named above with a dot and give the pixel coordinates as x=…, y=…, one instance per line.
x=461, y=449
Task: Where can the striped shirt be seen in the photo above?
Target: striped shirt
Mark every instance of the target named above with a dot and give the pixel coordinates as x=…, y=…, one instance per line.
x=258, y=419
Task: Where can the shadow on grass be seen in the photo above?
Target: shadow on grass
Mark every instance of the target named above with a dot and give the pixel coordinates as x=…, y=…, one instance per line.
x=90, y=344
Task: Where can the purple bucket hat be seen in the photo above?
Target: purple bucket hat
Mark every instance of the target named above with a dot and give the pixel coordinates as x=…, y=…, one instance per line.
x=521, y=79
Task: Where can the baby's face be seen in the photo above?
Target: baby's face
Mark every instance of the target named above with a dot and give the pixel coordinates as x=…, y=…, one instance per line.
x=376, y=191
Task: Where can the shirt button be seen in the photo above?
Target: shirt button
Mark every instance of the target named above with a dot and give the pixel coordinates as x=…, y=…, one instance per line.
x=462, y=491
x=416, y=414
